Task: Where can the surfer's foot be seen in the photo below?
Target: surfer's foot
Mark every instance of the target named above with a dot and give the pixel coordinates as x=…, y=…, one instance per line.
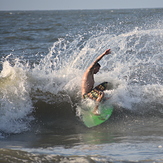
x=96, y=112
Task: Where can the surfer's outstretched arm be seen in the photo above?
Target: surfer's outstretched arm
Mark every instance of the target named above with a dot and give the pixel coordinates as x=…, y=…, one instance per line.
x=108, y=51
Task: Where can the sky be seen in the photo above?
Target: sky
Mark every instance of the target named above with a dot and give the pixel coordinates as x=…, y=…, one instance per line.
x=77, y=4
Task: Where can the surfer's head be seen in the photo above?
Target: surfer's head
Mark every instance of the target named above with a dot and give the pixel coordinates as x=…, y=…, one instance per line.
x=97, y=68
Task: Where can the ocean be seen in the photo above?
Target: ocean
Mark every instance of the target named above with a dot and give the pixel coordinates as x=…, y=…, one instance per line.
x=43, y=55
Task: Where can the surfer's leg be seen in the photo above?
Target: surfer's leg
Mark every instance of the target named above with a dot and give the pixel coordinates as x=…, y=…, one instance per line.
x=100, y=96
x=98, y=100
x=97, y=96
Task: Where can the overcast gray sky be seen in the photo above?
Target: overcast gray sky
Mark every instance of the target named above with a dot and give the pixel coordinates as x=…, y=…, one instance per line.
x=77, y=4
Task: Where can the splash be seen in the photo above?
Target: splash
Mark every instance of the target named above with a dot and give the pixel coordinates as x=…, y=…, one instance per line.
x=15, y=102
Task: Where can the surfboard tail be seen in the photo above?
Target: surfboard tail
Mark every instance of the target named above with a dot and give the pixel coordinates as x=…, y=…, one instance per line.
x=91, y=120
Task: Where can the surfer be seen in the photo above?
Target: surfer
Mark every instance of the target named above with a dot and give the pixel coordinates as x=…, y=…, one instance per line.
x=97, y=93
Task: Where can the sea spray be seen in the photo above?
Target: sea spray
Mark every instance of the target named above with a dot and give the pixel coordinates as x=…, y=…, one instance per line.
x=15, y=102
x=134, y=67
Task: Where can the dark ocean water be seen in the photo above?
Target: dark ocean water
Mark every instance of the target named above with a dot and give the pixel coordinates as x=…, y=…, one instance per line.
x=43, y=55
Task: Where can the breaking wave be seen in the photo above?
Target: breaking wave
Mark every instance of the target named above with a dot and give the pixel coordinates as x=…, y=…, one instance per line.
x=135, y=68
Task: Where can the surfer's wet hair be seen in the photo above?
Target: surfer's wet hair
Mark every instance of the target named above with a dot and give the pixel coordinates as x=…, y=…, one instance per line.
x=97, y=65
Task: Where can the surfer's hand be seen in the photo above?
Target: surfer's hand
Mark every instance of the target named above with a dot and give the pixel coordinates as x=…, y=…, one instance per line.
x=108, y=51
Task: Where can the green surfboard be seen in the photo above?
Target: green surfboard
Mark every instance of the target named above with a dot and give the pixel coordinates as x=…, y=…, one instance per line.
x=91, y=120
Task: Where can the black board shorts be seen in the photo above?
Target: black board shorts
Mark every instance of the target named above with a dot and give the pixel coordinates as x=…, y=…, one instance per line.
x=94, y=93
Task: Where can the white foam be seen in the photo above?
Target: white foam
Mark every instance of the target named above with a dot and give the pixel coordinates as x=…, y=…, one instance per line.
x=15, y=102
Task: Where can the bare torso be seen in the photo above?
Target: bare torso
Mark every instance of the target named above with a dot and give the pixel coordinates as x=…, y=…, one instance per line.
x=87, y=82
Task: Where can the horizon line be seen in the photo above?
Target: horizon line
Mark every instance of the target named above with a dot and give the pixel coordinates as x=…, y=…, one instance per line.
x=79, y=9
